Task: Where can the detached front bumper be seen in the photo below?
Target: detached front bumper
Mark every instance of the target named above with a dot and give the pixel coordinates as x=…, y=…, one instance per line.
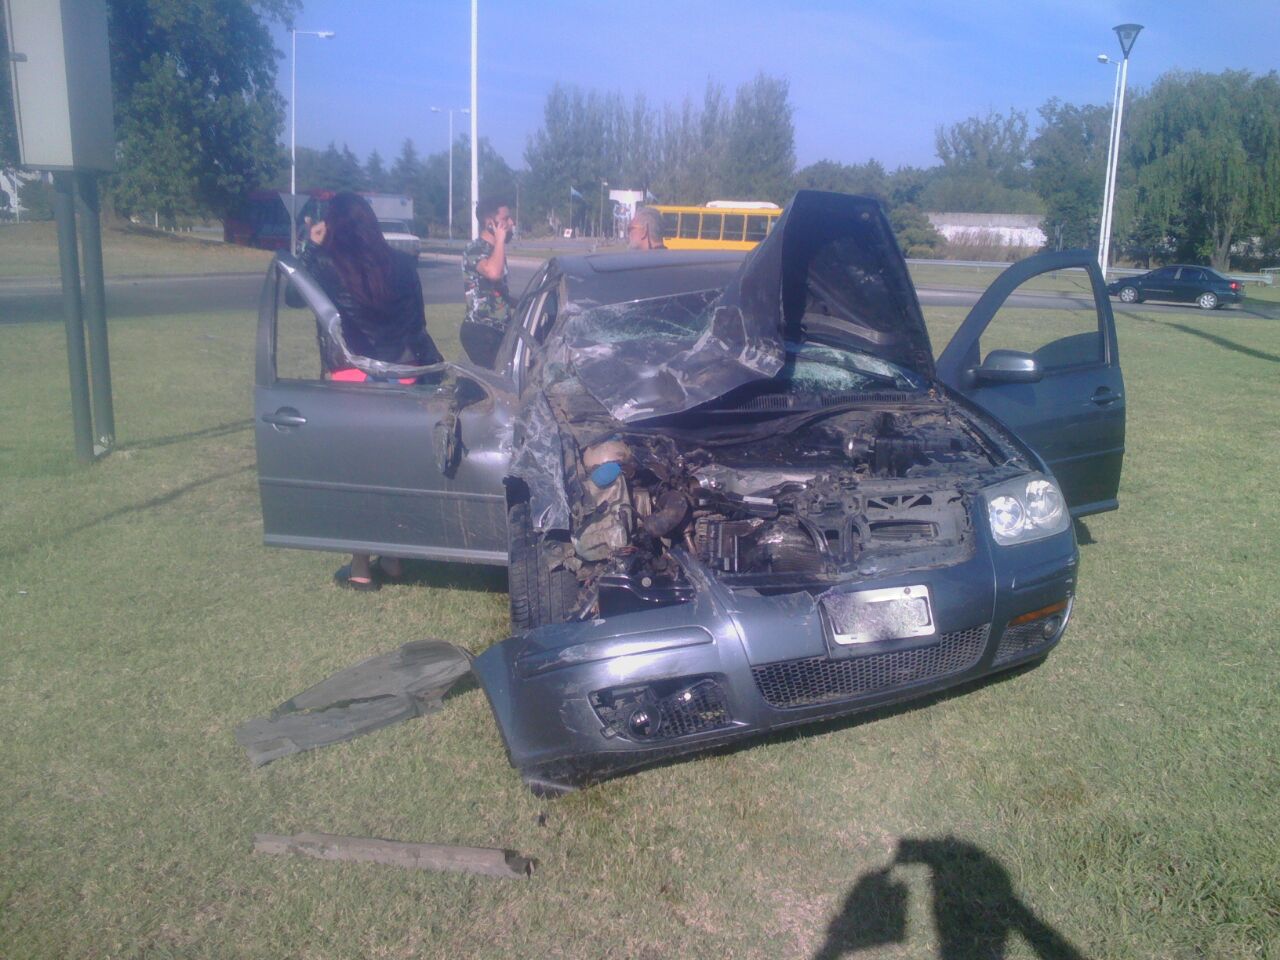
x=579, y=701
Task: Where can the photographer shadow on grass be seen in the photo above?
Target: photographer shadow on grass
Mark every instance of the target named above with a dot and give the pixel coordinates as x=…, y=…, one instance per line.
x=974, y=907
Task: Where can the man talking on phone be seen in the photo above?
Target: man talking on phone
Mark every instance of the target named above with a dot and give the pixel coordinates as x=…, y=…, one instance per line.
x=484, y=268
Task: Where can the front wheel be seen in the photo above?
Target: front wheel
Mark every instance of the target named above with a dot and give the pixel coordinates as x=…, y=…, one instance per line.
x=1129, y=295
x=539, y=594
x=1208, y=300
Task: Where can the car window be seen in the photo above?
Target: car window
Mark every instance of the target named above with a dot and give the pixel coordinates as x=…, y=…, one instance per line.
x=538, y=322
x=711, y=226
x=1053, y=317
x=297, y=347
x=757, y=228
x=669, y=223
x=1194, y=275
x=689, y=226
x=1164, y=273
x=733, y=226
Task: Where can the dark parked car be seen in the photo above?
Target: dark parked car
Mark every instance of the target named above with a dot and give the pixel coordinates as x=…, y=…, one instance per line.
x=735, y=494
x=1180, y=283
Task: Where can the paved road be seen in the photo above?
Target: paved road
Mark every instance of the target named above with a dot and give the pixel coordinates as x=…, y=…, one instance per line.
x=33, y=301
x=40, y=300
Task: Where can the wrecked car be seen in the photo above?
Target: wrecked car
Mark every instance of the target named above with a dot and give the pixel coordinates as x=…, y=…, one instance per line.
x=734, y=493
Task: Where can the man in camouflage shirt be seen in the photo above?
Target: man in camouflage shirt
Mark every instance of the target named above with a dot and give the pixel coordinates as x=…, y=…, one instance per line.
x=484, y=267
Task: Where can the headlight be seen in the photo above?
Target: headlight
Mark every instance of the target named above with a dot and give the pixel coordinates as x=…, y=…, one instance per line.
x=1028, y=508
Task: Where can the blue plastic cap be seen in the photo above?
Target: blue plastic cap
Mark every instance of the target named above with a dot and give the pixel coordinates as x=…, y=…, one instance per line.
x=606, y=473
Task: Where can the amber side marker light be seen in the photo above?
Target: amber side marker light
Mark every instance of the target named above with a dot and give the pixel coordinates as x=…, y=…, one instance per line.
x=1053, y=608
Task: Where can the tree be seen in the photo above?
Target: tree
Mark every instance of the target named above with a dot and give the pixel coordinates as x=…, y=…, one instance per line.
x=866, y=179
x=984, y=167
x=1068, y=167
x=760, y=158
x=375, y=174
x=197, y=113
x=36, y=198
x=692, y=144
x=1206, y=150
x=334, y=170
x=916, y=235
x=578, y=147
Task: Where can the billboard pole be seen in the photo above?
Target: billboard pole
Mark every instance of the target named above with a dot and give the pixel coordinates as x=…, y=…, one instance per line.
x=64, y=212
x=60, y=73
x=95, y=313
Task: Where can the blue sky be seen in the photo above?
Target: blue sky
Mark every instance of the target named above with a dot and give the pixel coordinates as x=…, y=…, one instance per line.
x=867, y=79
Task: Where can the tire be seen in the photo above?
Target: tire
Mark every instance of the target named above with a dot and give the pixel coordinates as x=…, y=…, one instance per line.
x=1129, y=295
x=539, y=595
x=1207, y=300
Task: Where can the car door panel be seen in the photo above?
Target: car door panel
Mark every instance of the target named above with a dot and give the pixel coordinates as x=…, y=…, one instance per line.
x=1159, y=284
x=1074, y=416
x=353, y=466
x=337, y=481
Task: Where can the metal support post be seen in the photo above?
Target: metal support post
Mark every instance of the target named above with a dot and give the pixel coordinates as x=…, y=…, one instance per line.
x=95, y=312
x=64, y=212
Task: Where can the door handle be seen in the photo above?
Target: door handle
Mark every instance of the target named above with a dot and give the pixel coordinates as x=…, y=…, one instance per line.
x=284, y=417
x=1104, y=395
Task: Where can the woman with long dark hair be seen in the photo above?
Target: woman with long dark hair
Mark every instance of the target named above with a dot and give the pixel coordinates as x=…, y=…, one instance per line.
x=379, y=299
x=376, y=289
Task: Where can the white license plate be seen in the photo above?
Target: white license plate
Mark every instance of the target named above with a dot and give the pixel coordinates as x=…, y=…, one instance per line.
x=871, y=615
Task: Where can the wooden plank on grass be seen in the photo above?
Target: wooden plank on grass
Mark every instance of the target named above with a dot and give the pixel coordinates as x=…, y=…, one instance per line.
x=418, y=856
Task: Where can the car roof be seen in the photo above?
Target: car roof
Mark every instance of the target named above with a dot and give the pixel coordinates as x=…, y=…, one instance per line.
x=639, y=275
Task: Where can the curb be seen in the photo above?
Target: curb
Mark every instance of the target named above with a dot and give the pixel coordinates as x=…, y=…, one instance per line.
x=129, y=278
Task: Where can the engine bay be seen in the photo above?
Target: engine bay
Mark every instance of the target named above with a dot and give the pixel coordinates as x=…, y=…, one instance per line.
x=773, y=505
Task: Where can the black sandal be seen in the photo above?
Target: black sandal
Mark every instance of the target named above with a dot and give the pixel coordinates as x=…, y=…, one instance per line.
x=342, y=577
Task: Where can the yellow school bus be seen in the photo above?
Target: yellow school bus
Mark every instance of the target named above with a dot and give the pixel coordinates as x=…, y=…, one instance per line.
x=720, y=225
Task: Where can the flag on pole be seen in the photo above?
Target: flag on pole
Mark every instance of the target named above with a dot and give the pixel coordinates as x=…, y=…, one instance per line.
x=575, y=193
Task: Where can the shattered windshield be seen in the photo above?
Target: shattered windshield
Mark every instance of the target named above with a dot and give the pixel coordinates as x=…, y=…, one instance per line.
x=818, y=369
x=649, y=358
x=660, y=327
x=653, y=332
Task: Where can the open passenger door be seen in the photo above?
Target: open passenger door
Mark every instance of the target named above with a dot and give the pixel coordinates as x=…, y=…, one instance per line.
x=361, y=467
x=1038, y=351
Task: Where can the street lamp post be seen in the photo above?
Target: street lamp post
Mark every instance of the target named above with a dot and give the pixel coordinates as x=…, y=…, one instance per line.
x=293, y=130
x=604, y=185
x=1111, y=139
x=1127, y=34
x=450, y=111
x=475, y=117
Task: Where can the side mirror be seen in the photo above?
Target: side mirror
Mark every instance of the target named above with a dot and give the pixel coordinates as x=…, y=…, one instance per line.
x=1008, y=366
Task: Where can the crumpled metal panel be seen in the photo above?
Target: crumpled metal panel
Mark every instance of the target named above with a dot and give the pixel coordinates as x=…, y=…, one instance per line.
x=374, y=693
x=538, y=460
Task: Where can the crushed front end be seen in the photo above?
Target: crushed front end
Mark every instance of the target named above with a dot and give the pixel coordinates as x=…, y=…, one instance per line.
x=768, y=578
x=769, y=511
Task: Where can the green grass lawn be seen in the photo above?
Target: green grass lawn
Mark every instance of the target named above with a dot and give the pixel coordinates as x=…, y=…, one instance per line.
x=1123, y=793
x=31, y=250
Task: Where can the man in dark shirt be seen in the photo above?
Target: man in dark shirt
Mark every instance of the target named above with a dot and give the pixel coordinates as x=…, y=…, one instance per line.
x=484, y=268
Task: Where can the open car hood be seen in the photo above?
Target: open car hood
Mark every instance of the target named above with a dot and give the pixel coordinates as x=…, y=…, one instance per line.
x=831, y=261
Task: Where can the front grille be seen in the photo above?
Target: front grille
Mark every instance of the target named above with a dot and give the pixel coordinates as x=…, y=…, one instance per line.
x=798, y=683
x=1022, y=639
x=697, y=708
